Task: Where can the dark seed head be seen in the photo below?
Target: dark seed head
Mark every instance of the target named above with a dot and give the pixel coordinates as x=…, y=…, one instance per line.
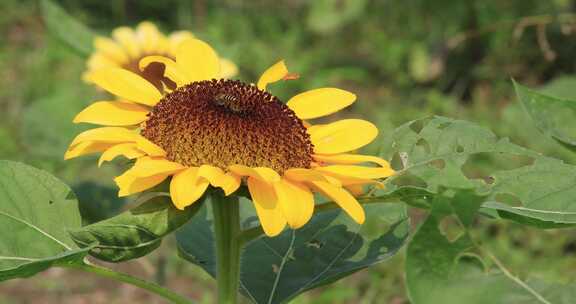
x=226, y=122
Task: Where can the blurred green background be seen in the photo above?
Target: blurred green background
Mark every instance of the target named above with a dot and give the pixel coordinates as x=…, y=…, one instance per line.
x=404, y=59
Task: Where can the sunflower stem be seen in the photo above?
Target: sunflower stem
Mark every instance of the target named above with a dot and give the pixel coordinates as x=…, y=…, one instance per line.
x=226, y=211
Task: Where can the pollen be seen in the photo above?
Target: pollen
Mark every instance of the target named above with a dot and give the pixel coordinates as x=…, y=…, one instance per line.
x=227, y=122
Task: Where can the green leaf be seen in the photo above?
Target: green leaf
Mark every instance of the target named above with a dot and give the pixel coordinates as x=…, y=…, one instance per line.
x=465, y=205
x=329, y=247
x=36, y=212
x=546, y=190
x=443, y=271
x=136, y=232
x=543, y=219
x=433, y=153
x=433, y=150
x=555, y=117
x=66, y=28
x=562, y=87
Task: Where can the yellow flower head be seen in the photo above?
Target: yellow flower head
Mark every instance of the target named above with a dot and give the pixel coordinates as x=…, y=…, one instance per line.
x=128, y=46
x=215, y=132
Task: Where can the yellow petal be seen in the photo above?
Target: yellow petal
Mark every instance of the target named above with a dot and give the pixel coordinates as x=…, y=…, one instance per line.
x=266, y=204
x=110, y=49
x=187, y=187
x=342, y=180
x=130, y=183
x=312, y=128
x=339, y=182
x=106, y=135
x=274, y=73
x=357, y=171
x=149, y=147
x=128, y=40
x=217, y=178
x=197, y=60
x=230, y=182
x=227, y=68
x=87, y=147
x=344, y=199
x=342, y=136
x=163, y=45
x=129, y=151
x=99, y=61
x=113, y=113
x=118, y=135
x=171, y=71
x=264, y=174
x=149, y=36
x=147, y=166
x=351, y=159
x=356, y=190
x=304, y=175
x=125, y=84
x=296, y=201
x=176, y=38
x=320, y=102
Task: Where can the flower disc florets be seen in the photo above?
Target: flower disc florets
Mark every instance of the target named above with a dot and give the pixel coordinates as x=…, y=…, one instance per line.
x=227, y=122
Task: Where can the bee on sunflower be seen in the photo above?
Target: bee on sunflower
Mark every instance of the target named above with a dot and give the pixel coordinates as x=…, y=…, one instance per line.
x=210, y=131
x=127, y=46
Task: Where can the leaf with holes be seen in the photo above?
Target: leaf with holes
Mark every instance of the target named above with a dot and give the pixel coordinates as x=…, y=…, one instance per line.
x=329, y=247
x=546, y=191
x=555, y=117
x=434, y=152
x=66, y=28
x=136, y=232
x=36, y=212
x=443, y=271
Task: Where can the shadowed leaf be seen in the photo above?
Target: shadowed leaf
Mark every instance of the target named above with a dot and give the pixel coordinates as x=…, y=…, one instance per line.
x=329, y=247
x=136, y=232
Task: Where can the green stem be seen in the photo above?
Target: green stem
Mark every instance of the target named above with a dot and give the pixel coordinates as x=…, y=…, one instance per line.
x=226, y=212
x=123, y=277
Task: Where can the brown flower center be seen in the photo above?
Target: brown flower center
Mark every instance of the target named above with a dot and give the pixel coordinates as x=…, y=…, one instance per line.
x=226, y=122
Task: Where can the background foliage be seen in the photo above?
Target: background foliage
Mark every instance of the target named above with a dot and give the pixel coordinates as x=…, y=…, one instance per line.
x=404, y=59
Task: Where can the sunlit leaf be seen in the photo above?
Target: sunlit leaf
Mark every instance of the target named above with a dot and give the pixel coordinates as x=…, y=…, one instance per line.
x=432, y=154
x=36, y=212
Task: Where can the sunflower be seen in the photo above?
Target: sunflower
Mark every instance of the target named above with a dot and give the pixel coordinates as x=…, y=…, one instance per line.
x=128, y=46
x=222, y=133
